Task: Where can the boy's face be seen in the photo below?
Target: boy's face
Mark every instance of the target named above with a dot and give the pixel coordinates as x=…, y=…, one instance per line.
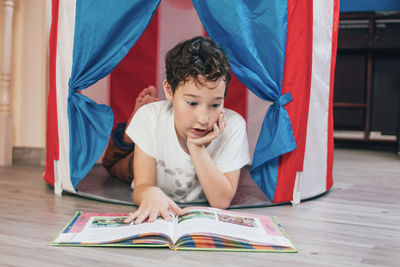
x=196, y=107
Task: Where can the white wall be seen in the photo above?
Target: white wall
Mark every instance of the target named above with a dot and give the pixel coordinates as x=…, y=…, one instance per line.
x=29, y=81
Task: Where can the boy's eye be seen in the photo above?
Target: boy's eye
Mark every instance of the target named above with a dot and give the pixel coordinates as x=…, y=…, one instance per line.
x=192, y=103
x=215, y=105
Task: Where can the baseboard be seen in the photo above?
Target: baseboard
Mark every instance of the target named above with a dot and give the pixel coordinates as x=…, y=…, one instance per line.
x=29, y=156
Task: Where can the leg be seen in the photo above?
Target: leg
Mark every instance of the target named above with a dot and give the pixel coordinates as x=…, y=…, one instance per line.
x=146, y=96
x=118, y=162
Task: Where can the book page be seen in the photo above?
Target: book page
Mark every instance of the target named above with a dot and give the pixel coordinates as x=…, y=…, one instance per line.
x=92, y=228
x=239, y=226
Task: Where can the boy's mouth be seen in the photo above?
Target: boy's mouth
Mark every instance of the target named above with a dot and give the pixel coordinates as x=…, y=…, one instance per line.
x=199, y=132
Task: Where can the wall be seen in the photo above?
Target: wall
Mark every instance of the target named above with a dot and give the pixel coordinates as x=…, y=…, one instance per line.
x=29, y=74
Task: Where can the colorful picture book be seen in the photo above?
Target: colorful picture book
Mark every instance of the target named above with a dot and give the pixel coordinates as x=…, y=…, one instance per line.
x=201, y=228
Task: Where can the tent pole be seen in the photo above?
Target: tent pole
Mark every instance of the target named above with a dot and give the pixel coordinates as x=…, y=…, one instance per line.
x=296, y=189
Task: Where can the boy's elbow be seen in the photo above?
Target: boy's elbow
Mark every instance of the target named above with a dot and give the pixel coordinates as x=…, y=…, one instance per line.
x=223, y=200
x=224, y=204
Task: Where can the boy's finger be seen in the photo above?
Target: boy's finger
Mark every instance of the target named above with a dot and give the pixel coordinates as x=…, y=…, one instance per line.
x=143, y=216
x=216, y=131
x=165, y=214
x=129, y=218
x=132, y=216
x=185, y=210
x=221, y=123
x=200, y=141
x=153, y=215
x=175, y=208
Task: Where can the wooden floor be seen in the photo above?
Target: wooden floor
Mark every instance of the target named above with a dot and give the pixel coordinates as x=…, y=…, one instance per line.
x=357, y=223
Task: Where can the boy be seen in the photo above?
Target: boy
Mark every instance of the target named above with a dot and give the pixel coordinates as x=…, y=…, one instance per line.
x=188, y=148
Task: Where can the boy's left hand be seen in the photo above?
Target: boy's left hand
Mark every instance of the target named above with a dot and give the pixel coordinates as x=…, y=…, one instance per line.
x=219, y=127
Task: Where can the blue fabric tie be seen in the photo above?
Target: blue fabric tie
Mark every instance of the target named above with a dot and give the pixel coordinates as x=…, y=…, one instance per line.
x=284, y=99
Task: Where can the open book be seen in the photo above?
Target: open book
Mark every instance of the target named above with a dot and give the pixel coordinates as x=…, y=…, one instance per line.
x=201, y=228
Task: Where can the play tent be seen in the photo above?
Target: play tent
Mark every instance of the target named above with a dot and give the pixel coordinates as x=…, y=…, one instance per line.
x=283, y=51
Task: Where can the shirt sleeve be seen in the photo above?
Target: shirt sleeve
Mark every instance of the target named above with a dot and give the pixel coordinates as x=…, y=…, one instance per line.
x=142, y=128
x=232, y=152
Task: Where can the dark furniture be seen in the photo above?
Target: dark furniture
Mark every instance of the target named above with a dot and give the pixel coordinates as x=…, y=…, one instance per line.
x=367, y=78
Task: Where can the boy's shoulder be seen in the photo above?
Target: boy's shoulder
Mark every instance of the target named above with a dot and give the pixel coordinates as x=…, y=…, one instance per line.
x=232, y=117
x=156, y=108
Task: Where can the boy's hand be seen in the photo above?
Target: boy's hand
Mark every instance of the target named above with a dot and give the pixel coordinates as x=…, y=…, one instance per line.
x=219, y=127
x=154, y=203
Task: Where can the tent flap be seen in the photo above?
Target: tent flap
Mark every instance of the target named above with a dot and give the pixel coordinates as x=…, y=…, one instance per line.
x=104, y=33
x=253, y=34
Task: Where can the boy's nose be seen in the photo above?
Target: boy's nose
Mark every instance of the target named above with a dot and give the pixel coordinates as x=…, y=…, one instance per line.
x=202, y=117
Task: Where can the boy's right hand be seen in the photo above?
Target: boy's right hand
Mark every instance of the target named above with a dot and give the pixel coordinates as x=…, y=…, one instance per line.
x=154, y=203
x=218, y=129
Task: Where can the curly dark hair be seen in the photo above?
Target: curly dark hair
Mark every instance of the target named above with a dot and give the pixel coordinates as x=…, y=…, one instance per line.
x=196, y=57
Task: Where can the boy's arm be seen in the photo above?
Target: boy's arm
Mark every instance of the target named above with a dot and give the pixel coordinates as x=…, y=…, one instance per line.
x=151, y=199
x=219, y=188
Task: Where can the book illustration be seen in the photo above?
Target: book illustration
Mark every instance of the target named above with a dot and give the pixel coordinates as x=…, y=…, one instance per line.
x=195, y=215
x=108, y=222
x=201, y=228
x=244, y=221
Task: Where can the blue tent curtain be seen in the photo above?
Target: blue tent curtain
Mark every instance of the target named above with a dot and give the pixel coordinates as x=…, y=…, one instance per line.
x=253, y=34
x=104, y=33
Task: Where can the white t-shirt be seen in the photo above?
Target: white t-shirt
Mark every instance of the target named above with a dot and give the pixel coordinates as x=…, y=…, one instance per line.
x=152, y=129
